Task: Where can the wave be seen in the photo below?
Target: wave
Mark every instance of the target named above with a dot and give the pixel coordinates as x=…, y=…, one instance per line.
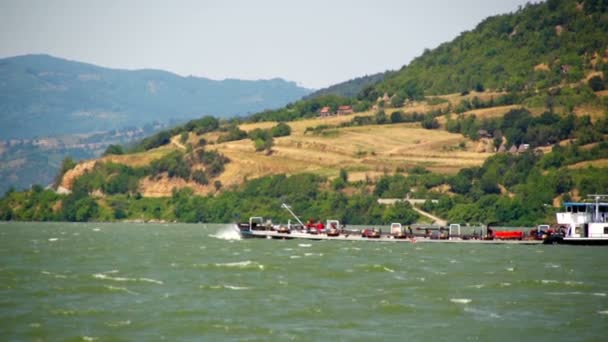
x=120, y=289
x=118, y=323
x=240, y=264
x=227, y=233
x=484, y=314
x=461, y=300
x=225, y=287
x=146, y=280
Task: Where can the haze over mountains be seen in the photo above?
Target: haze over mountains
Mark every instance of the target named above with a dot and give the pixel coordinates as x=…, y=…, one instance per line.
x=41, y=95
x=51, y=108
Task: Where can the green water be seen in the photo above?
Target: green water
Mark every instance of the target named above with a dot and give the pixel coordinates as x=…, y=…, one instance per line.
x=64, y=281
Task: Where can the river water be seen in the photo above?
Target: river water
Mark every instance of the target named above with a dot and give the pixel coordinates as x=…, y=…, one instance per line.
x=92, y=281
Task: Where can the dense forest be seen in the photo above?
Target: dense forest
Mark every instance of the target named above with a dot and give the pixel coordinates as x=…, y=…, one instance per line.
x=537, y=47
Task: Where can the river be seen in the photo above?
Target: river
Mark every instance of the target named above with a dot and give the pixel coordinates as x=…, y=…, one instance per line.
x=117, y=281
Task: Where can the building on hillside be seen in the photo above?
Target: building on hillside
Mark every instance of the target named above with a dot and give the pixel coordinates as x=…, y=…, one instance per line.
x=523, y=148
x=482, y=133
x=325, y=112
x=513, y=149
x=502, y=148
x=344, y=110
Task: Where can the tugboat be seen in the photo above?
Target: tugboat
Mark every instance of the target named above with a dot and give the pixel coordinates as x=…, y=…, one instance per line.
x=583, y=223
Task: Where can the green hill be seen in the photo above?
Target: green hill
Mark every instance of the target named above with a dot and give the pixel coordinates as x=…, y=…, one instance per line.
x=537, y=47
x=350, y=88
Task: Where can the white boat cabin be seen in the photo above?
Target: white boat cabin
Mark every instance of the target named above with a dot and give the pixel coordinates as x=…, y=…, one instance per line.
x=584, y=220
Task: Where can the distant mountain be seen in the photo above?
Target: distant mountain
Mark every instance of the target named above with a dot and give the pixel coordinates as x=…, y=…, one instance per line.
x=352, y=87
x=41, y=96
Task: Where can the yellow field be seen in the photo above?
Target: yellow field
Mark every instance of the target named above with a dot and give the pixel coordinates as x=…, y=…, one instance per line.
x=600, y=163
x=366, y=152
x=363, y=151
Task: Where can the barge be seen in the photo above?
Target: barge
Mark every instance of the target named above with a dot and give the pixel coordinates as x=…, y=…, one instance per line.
x=331, y=230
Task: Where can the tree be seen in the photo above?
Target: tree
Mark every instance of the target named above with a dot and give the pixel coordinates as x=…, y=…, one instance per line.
x=280, y=130
x=183, y=137
x=380, y=117
x=218, y=185
x=397, y=116
x=429, y=122
x=114, y=149
x=200, y=177
x=596, y=83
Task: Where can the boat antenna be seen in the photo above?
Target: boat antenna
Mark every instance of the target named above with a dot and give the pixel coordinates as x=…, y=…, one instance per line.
x=288, y=208
x=597, y=198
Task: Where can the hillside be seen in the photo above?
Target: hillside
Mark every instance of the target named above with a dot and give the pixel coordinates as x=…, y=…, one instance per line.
x=537, y=47
x=485, y=151
x=43, y=96
x=350, y=88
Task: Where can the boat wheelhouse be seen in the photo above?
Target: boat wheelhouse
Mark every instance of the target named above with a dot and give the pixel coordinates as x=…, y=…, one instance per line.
x=583, y=223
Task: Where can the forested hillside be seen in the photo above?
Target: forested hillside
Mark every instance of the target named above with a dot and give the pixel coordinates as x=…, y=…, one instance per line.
x=537, y=47
x=507, y=145
x=350, y=88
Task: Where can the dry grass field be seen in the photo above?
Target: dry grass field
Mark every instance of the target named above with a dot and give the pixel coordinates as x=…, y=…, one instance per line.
x=366, y=152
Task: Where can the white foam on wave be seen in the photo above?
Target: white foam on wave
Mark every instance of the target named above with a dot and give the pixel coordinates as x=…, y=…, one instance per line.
x=388, y=270
x=121, y=289
x=235, y=264
x=548, y=281
x=573, y=283
x=96, y=229
x=304, y=245
x=118, y=323
x=295, y=257
x=477, y=286
x=125, y=279
x=603, y=312
x=148, y=280
x=237, y=288
x=53, y=239
x=510, y=269
x=241, y=264
x=461, y=300
x=227, y=233
x=484, y=314
x=225, y=286
x=56, y=275
x=599, y=294
x=571, y=293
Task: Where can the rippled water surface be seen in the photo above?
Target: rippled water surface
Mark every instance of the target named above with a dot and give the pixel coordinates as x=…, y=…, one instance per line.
x=64, y=281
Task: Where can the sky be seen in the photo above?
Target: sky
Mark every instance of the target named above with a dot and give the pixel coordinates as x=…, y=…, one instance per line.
x=315, y=43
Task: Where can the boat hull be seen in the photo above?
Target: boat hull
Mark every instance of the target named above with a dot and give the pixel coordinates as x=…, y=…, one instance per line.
x=559, y=240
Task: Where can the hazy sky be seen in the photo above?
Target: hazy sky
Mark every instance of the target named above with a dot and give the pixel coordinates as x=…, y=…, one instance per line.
x=315, y=43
